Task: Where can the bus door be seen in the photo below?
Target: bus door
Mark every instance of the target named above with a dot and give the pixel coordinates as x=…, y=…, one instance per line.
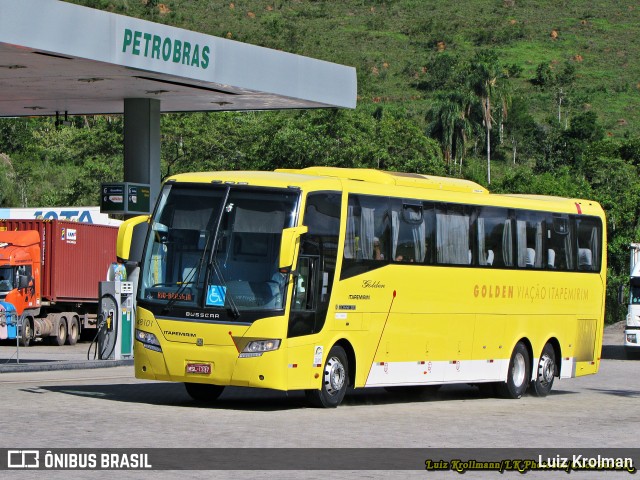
x=312, y=281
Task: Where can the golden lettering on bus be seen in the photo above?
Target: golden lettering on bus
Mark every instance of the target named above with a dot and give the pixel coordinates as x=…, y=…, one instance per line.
x=493, y=291
x=531, y=293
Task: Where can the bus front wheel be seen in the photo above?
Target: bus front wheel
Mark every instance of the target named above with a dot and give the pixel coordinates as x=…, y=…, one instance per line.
x=203, y=392
x=546, y=372
x=518, y=374
x=335, y=378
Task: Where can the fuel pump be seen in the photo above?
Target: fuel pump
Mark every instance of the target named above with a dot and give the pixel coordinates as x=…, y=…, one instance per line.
x=115, y=336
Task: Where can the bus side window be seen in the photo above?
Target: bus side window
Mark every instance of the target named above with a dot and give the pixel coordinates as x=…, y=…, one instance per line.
x=452, y=235
x=588, y=238
x=409, y=232
x=490, y=228
x=561, y=239
x=367, y=240
x=530, y=239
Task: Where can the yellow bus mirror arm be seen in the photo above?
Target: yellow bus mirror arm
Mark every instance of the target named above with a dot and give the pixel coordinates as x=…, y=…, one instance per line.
x=289, y=246
x=125, y=236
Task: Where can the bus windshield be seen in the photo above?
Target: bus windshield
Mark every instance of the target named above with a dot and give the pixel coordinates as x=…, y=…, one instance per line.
x=217, y=247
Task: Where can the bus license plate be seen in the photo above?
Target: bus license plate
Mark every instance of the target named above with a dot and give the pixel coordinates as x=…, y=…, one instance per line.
x=202, y=368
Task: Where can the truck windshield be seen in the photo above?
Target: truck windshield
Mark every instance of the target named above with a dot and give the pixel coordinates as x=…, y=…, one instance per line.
x=635, y=295
x=6, y=279
x=216, y=247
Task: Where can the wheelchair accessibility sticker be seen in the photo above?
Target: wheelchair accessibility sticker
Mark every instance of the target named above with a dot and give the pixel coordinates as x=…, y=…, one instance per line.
x=216, y=295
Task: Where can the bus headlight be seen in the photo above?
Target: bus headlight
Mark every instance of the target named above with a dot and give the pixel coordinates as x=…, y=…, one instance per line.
x=258, y=347
x=148, y=340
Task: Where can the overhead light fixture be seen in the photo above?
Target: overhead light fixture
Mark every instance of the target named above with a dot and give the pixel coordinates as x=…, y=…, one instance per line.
x=35, y=107
x=156, y=92
x=221, y=104
x=90, y=80
x=12, y=67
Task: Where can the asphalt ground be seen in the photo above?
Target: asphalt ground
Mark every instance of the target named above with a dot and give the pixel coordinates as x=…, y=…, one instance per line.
x=109, y=408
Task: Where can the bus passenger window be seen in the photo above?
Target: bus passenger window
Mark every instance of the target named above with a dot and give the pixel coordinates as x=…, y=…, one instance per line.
x=367, y=240
x=452, y=234
x=561, y=239
x=588, y=233
x=490, y=230
x=409, y=232
x=529, y=235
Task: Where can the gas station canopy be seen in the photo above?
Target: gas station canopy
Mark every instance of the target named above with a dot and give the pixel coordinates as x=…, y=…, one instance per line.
x=56, y=57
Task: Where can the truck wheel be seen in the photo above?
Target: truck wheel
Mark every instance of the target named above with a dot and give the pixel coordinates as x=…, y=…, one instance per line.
x=62, y=333
x=27, y=333
x=74, y=331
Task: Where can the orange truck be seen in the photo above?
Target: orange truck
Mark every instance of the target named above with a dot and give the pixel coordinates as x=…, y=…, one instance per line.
x=49, y=271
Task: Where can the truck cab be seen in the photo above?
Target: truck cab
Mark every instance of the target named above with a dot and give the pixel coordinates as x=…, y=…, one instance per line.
x=20, y=270
x=632, y=328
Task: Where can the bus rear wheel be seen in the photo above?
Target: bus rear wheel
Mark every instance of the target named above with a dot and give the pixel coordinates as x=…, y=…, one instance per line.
x=335, y=379
x=518, y=375
x=546, y=372
x=203, y=392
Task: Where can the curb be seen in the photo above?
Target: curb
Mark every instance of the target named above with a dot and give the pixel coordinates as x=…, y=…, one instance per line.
x=62, y=365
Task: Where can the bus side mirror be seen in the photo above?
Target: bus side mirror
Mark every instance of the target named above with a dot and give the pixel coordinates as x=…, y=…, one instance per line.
x=621, y=295
x=131, y=236
x=289, y=246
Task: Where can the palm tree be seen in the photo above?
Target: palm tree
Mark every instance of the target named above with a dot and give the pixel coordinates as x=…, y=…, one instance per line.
x=449, y=122
x=486, y=80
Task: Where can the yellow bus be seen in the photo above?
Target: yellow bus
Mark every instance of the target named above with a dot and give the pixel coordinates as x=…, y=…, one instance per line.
x=324, y=278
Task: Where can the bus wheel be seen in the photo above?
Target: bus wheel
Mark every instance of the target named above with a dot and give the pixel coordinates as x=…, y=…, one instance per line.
x=518, y=374
x=546, y=372
x=334, y=380
x=203, y=392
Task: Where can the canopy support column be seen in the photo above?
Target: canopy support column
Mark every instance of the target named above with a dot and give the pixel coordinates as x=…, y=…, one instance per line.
x=142, y=143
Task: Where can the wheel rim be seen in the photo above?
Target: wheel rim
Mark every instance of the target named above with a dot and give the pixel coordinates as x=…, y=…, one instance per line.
x=334, y=376
x=519, y=370
x=546, y=370
x=27, y=330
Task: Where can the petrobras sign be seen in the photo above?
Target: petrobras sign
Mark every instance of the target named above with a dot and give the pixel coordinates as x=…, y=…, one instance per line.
x=161, y=48
x=167, y=49
x=74, y=214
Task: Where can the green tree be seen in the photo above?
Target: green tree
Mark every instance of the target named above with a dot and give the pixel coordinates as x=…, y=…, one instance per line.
x=449, y=121
x=487, y=80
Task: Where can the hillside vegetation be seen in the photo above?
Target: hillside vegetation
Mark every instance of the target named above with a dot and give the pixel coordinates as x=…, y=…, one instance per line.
x=534, y=97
